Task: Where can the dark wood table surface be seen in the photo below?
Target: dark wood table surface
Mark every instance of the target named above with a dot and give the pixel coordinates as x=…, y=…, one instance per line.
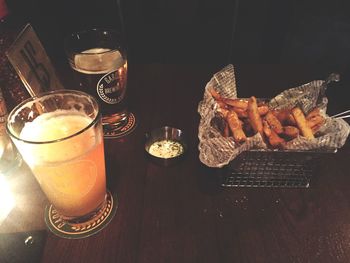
x=181, y=213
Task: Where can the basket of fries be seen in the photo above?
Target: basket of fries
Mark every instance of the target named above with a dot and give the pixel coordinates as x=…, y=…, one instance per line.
x=267, y=142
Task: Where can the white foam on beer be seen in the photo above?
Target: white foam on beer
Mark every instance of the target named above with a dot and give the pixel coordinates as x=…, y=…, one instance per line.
x=98, y=61
x=51, y=126
x=73, y=105
x=55, y=126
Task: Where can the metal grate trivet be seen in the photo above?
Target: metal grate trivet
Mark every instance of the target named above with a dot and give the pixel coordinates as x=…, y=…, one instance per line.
x=271, y=169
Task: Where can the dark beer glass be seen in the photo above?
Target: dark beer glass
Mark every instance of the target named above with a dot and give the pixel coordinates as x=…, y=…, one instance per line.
x=98, y=59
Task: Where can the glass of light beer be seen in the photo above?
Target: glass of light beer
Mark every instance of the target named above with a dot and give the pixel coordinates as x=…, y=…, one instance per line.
x=59, y=135
x=99, y=61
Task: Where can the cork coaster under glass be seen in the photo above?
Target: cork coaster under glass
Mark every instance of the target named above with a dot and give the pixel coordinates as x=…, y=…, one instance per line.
x=65, y=229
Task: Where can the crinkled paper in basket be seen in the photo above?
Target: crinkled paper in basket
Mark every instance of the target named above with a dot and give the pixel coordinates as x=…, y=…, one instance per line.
x=217, y=151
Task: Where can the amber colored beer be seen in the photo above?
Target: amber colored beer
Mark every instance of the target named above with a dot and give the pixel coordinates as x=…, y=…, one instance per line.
x=98, y=59
x=59, y=135
x=70, y=172
x=102, y=73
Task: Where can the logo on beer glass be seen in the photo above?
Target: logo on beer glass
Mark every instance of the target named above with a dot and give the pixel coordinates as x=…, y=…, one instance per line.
x=111, y=87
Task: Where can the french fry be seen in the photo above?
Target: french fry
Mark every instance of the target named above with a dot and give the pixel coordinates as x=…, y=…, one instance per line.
x=275, y=112
x=217, y=97
x=274, y=123
x=302, y=124
x=284, y=116
x=236, y=127
x=224, y=112
x=316, y=120
x=291, y=131
x=237, y=103
x=274, y=140
x=315, y=112
x=316, y=128
x=247, y=128
x=221, y=104
x=266, y=128
x=245, y=117
x=263, y=110
x=215, y=94
x=254, y=116
x=242, y=113
x=291, y=120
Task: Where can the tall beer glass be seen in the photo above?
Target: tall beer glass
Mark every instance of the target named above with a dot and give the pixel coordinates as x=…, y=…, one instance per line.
x=98, y=59
x=59, y=135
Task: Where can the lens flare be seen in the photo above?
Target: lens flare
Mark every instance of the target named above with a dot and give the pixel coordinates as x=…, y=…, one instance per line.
x=7, y=202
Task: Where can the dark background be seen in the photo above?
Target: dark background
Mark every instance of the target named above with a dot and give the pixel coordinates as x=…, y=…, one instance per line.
x=206, y=31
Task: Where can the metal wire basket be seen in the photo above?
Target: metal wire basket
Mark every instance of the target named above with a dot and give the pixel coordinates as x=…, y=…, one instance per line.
x=279, y=168
x=272, y=169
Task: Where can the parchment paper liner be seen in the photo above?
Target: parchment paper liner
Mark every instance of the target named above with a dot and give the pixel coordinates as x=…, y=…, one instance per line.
x=217, y=151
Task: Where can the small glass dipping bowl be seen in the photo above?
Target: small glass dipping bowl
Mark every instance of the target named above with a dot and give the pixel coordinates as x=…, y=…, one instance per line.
x=165, y=145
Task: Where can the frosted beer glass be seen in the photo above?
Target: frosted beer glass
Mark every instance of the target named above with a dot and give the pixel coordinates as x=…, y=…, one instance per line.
x=59, y=135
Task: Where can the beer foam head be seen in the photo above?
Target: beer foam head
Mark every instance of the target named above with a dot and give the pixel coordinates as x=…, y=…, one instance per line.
x=55, y=129
x=54, y=126
x=98, y=61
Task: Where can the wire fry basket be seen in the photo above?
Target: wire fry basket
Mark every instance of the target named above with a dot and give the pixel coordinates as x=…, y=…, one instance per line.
x=254, y=163
x=291, y=169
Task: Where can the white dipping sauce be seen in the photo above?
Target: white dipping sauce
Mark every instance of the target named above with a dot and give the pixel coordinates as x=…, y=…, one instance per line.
x=166, y=149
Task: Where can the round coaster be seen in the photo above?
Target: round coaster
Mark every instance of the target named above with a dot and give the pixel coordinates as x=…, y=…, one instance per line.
x=65, y=229
x=120, y=132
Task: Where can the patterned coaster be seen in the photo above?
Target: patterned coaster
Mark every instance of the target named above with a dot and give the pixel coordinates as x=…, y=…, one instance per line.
x=68, y=230
x=121, y=131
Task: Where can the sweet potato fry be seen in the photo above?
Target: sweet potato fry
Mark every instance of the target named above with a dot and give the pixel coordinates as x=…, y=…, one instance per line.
x=254, y=116
x=236, y=127
x=237, y=103
x=274, y=123
x=301, y=123
x=291, y=131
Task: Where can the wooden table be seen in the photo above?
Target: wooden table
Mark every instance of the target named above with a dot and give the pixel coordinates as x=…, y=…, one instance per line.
x=181, y=213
